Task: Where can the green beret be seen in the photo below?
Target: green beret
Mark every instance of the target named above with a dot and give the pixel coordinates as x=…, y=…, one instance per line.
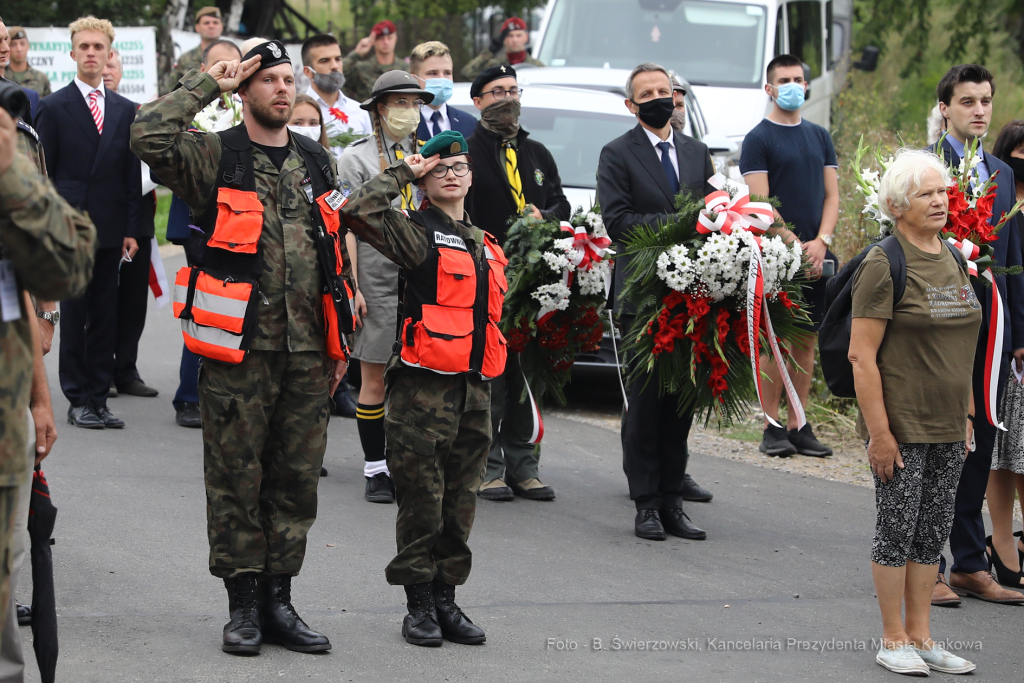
x=447, y=143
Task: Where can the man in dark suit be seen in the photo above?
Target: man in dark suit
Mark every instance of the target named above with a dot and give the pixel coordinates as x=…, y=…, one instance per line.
x=965, y=101
x=512, y=175
x=85, y=131
x=638, y=177
x=431, y=63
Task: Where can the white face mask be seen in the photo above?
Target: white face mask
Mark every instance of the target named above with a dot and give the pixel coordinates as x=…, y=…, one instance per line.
x=311, y=132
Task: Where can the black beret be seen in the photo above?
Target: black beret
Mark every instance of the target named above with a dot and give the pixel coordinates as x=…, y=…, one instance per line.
x=488, y=75
x=273, y=53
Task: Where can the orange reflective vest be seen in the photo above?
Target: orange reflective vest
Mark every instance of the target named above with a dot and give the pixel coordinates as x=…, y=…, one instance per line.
x=451, y=304
x=216, y=296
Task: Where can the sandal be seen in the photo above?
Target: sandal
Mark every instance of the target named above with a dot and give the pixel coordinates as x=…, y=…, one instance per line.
x=1020, y=553
x=1006, y=577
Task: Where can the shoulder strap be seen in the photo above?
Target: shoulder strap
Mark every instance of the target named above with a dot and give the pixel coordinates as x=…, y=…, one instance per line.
x=318, y=164
x=897, y=266
x=236, y=164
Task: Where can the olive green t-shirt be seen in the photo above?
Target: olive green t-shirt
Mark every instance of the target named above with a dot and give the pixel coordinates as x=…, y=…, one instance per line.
x=927, y=354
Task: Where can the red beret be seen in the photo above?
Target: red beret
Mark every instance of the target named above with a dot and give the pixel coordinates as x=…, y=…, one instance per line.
x=384, y=28
x=513, y=24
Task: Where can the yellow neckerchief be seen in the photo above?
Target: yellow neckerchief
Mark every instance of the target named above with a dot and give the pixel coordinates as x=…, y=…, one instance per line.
x=407, y=188
x=514, y=181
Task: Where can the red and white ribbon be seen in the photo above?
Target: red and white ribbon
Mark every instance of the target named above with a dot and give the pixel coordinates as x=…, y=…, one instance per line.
x=735, y=213
x=537, y=426
x=970, y=251
x=587, y=250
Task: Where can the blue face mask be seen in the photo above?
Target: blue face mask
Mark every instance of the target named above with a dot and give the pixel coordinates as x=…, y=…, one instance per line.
x=791, y=96
x=440, y=88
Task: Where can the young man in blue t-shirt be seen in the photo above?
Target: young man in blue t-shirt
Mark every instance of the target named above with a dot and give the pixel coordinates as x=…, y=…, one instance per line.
x=794, y=161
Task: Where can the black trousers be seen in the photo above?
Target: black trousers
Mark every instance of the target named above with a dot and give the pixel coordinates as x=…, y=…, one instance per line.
x=132, y=299
x=967, y=538
x=88, y=332
x=655, y=435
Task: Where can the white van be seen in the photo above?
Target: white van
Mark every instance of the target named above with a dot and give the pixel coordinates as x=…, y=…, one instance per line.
x=721, y=47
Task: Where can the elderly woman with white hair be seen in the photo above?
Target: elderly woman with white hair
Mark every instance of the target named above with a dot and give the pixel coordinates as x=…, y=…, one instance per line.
x=912, y=361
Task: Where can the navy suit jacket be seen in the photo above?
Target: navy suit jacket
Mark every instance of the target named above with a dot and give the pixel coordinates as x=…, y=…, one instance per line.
x=1007, y=254
x=96, y=174
x=33, y=102
x=461, y=121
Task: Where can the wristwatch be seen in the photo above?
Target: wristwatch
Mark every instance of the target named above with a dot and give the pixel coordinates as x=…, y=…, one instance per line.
x=52, y=317
x=827, y=239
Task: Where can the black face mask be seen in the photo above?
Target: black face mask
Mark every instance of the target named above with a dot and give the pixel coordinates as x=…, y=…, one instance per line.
x=656, y=113
x=1016, y=165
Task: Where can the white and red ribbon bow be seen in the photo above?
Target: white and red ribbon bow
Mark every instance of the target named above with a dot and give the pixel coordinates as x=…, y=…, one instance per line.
x=970, y=251
x=587, y=250
x=737, y=212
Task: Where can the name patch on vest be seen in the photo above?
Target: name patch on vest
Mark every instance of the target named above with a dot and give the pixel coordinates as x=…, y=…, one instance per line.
x=334, y=200
x=454, y=241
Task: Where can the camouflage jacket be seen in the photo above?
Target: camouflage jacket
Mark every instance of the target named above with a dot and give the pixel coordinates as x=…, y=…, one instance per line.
x=486, y=59
x=189, y=60
x=291, y=318
x=30, y=78
x=370, y=214
x=51, y=247
x=362, y=72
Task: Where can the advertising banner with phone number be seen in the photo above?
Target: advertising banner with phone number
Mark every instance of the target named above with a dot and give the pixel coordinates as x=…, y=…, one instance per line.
x=50, y=52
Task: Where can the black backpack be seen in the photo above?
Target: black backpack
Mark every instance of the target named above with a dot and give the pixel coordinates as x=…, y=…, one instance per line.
x=834, y=335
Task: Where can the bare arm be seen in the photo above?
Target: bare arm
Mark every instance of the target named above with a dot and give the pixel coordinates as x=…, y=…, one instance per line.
x=865, y=339
x=39, y=403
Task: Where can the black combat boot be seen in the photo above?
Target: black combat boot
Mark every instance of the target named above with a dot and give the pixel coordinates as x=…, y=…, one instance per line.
x=281, y=623
x=242, y=635
x=420, y=625
x=455, y=625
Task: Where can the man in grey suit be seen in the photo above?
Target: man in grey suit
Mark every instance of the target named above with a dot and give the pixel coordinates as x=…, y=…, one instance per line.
x=638, y=178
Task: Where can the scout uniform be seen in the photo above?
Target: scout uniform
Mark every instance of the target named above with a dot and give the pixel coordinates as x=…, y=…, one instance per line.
x=361, y=72
x=257, y=301
x=496, y=54
x=47, y=248
x=438, y=421
x=190, y=59
x=30, y=78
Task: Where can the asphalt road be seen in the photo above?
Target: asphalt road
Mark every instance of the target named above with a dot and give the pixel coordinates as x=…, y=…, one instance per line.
x=786, y=566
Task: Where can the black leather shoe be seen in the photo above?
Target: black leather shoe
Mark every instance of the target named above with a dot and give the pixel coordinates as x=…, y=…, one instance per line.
x=380, y=489
x=188, y=416
x=84, y=417
x=678, y=523
x=776, y=442
x=806, y=443
x=323, y=471
x=137, y=387
x=344, y=406
x=24, y=614
x=455, y=625
x=694, y=492
x=420, y=625
x=281, y=623
x=109, y=420
x=242, y=635
x=648, y=525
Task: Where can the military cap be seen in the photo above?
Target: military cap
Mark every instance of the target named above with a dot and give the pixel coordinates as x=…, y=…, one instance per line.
x=491, y=74
x=447, y=143
x=678, y=84
x=513, y=24
x=273, y=53
x=207, y=11
x=17, y=33
x=384, y=28
x=396, y=81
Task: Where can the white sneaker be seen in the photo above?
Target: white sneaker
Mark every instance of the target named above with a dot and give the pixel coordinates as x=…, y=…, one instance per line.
x=939, y=659
x=903, y=660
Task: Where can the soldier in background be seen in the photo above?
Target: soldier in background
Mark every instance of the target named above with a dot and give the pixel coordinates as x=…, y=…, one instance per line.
x=265, y=411
x=209, y=25
x=19, y=71
x=372, y=57
x=508, y=48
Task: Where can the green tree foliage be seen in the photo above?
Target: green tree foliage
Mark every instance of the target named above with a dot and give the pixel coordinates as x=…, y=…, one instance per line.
x=63, y=12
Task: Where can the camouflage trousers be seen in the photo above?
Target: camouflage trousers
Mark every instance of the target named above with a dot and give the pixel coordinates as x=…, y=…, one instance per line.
x=438, y=430
x=264, y=437
x=8, y=517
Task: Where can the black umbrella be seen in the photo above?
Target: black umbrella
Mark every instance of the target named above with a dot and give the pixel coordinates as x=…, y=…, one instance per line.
x=41, y=517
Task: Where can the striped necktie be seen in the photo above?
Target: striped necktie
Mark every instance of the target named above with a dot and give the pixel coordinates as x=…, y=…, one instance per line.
x=94, y=109
x=406, y=189
x=514, y=181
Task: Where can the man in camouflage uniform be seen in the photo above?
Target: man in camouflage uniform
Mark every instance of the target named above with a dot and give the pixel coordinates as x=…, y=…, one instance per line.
x=47, y=249
x=209, y=26
x=508, y=48
x=19, y=71
x=264, y=419
x=373, y=56
x=438, y=426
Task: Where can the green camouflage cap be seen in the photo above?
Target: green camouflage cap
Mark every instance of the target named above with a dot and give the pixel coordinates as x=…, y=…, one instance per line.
x=447, y=143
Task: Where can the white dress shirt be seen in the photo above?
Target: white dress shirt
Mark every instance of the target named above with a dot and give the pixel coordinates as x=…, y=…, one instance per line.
x=85, y=89
x=358, y=119
x=427, y=113
x=655, y=140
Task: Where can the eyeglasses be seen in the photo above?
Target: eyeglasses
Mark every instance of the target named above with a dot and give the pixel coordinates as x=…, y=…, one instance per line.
x=406, y=104
x=500, y=93
x=460, y=169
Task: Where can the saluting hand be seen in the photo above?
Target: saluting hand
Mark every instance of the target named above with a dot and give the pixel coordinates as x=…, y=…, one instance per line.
x=364, y=46
x=421, y=166
x=231, y=73
x=8, y=140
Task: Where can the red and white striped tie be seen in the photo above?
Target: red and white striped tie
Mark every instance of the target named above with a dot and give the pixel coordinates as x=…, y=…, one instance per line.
x=94, y=108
